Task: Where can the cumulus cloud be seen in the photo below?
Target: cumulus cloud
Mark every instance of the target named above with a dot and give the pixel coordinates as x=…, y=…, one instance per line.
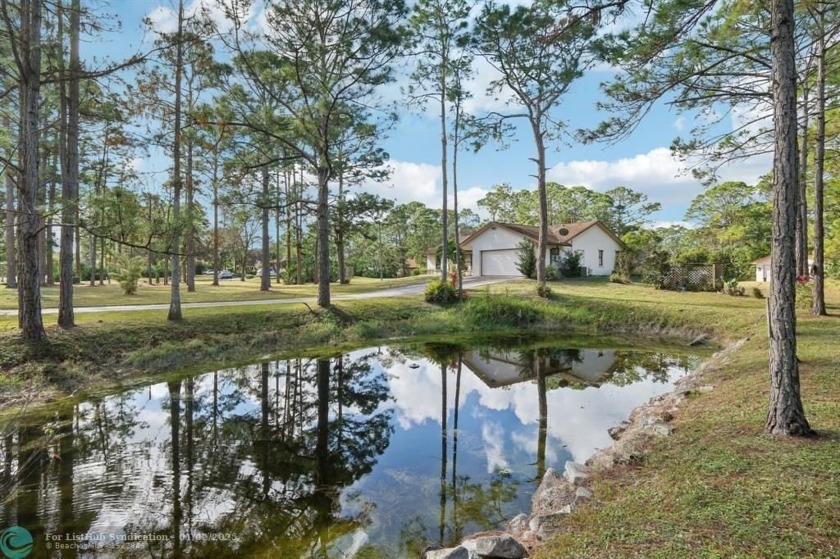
x=657, y=173
x=164, y=19
x=410, y=182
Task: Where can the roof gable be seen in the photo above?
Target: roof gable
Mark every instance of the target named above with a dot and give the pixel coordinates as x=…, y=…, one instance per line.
x=558, y=235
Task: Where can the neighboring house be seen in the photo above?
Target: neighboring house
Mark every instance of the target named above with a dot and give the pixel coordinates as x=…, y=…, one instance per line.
x=433, y=260
x=762, y=268
x=494, y=249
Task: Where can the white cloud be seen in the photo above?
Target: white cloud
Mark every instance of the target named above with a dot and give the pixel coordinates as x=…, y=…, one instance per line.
x=679, y=124
x=409, y=182
x=165, y=19
x=657, y=173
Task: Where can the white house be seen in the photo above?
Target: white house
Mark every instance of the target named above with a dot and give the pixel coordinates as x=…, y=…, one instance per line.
x=762, y=268
x=495, y=251
x=506, y=367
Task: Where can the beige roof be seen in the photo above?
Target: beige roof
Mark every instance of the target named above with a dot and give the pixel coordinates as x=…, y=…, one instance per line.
x=558, y=235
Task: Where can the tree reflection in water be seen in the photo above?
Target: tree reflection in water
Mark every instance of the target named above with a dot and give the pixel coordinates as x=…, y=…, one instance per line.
x=291, y=458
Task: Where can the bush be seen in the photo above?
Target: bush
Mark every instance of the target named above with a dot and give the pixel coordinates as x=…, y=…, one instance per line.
x=129, y=271
x=527, y=260
x=731, y=287
x=570, y=264
x=757, y=293
x=551, y=273
x=804, y=295
x=441, y=292
x=544, y=291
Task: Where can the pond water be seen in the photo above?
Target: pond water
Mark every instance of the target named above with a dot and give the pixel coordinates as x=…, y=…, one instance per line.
x=373, y=454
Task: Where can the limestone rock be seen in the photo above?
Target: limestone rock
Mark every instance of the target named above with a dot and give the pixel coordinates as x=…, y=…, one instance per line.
x=553, y=499
x=576, y=473
x=518, y=525
x=499, y=547
x=543, y=526
x=582, y=494
x=459, y=552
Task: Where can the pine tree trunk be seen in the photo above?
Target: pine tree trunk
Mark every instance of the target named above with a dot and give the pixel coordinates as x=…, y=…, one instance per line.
x=189, y=268
x=175, y=290
x=265, y=278
x=216, y=261
x=786, y=415
x=802, y=213
x=11, y=252
x=50, y=241
x=543, y=199
x=70, y=175
x=444, y=253
x=818, y=270
x=29, y=294
x=323, y=249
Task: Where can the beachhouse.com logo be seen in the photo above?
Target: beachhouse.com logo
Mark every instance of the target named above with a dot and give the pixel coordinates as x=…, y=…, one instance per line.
x=16, y=542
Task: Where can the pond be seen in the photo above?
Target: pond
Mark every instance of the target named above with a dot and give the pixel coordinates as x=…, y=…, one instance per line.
x=376, y=453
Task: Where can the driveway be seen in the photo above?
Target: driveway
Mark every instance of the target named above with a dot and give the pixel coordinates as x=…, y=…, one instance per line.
x=417, y=289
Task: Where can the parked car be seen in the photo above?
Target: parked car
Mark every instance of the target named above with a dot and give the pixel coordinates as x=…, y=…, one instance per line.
x=225, y=274
x=208, y=272
x=271, y=273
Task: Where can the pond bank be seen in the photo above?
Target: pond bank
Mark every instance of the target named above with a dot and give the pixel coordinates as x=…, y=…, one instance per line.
x=114, y=349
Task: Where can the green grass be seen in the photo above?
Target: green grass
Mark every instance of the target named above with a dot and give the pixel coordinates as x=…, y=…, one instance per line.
x=718, y=487
x=228, y=290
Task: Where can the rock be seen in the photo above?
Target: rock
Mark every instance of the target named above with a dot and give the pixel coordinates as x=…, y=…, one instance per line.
x=658, y=429
x=553, y=499
x=582, y=494
x=702, y=339
x=459, y=552
x=518, y=525
x=618, y=430
x=543, y=526
x=499, y=547
x=576, y=473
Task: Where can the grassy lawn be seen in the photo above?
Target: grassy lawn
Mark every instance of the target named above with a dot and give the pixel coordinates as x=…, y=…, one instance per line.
x=718, y=487
x=228, y=290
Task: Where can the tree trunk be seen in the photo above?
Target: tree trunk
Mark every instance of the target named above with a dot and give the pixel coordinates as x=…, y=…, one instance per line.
x=265, y=256
x=458, y=255
x=444, y=253
x=802, y=212
x=323, y=252
x=175, y=292
x=29, y=294
x=339, y=231
x=818, y=270
x=41, y=202
x=786, y=415
x=70, y=175
x=49, y=240
x=543, y=198
x=11, y=252
x=189, y=226
x=216, y=261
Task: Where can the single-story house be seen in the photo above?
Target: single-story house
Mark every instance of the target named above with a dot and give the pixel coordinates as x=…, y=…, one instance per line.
x=493, y=250
x=506, y=367
x=762, y=268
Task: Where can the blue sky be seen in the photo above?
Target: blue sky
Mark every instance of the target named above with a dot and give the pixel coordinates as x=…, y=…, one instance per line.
x=642, y=162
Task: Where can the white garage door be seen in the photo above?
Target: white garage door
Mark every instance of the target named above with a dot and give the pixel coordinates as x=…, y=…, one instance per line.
x=500, y=262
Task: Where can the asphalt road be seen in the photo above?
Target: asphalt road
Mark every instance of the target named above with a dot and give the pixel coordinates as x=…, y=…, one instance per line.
x=469, y=283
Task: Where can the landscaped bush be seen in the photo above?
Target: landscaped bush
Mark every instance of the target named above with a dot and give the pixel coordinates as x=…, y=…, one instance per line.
x=757, y=293
x=544, y=291
x=570, y=264
x=441, y=292
x=616, y=277
x=527, y=260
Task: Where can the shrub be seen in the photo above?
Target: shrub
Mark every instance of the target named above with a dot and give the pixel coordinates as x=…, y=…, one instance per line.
x=757, y=293
x=731, y=287
x=129, y=271
x=441, y=292
x=570, y=264
x=804, y=295
x=527, y=260
x=551, y=273
x=544, y=291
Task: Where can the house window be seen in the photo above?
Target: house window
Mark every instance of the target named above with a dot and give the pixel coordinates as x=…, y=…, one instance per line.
x=554, y=255
x=601, y=258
